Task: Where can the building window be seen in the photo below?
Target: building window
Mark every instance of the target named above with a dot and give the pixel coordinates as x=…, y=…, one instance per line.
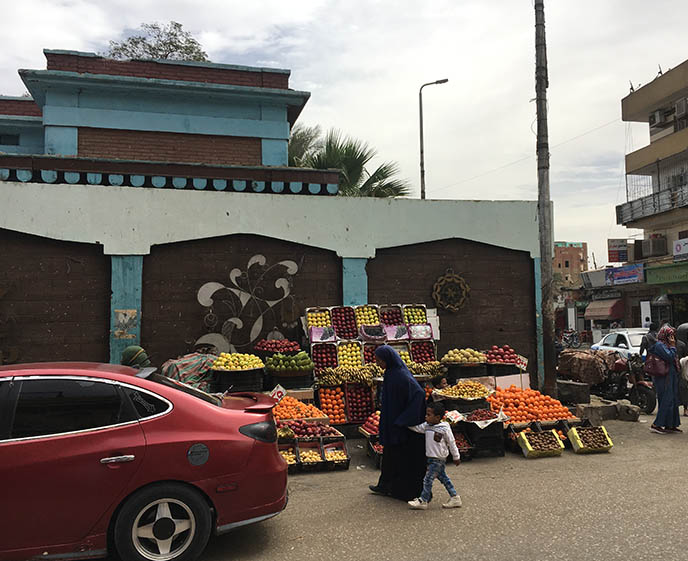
x=683, y=235
x=559, y=265
x=9, y=139
x=566, y=264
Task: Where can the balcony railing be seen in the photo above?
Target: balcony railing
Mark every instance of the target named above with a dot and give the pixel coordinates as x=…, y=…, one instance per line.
x=663, y=201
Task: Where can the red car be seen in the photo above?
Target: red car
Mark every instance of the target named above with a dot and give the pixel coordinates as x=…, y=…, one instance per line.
x=98, y=458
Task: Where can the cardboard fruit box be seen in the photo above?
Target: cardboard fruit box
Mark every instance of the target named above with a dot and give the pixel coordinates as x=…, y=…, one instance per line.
x=530, y=453
x=577, y=443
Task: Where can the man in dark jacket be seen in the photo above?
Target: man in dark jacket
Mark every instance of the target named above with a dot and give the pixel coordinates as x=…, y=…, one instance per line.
x=649, y=339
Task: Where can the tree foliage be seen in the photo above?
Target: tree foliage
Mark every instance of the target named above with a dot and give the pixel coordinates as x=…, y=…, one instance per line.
x=166, y=42
x=349, y=155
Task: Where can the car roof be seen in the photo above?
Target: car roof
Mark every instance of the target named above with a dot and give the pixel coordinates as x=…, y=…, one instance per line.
x=71, y=368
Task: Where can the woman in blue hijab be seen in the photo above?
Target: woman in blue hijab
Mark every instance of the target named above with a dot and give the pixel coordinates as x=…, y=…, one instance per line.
x=402, y=405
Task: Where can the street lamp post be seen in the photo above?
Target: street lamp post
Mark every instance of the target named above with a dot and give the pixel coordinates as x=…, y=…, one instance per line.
x=422, y=156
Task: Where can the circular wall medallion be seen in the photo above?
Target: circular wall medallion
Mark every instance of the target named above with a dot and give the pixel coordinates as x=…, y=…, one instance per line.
x=450, y=291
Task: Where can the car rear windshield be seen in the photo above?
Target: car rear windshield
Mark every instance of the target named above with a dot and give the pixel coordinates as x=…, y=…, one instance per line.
x=170, y=383
x=636, y=339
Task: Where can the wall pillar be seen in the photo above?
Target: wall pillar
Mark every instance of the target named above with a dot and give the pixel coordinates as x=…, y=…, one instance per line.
x=539, y=330
x=61, y=141
x=125, y=303
x=354, y=281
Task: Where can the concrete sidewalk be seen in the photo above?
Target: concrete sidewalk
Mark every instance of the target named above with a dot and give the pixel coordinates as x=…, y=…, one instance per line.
x=624, y=505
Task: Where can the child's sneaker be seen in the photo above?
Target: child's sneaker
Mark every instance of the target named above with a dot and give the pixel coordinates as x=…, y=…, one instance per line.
x=418, y=504
x=454, y=502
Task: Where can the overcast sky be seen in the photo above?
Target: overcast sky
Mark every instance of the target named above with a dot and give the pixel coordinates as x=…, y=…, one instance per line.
x=364, y=60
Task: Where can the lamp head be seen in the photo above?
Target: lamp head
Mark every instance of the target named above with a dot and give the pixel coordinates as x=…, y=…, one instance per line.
x=443, y=81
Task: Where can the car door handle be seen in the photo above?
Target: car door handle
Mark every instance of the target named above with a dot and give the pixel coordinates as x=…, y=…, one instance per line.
x=118, y=459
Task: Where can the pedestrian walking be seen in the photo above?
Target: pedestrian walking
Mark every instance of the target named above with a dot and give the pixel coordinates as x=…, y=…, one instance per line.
x=402, y=405
x=439, y=441
x=666, y=381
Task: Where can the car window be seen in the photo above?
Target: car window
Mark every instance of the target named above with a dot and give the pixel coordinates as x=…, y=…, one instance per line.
x=636, y=339
x=622, y=341
x=170, y=383
x=609, y=340
x=56, y=405
x=145, y=404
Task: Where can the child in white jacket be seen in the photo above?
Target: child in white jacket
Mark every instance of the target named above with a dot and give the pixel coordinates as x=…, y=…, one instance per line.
x=439, y=441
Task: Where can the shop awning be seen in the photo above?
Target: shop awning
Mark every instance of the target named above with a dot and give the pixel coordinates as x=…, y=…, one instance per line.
x=605, y=309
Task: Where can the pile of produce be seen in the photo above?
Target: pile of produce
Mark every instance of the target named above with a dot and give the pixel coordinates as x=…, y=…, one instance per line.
x=463, y=356
x=310, y=456
x=336, y=456
x=461, y=442
x=415, y=315
x=300, y=362
x=359, y=398
x=332, y=404
x=237, y=361
x=432, y=369
x=349, y=354
x=369, y=353
x=351, y=374
x=466, y=389
x=324, y=355
x=481, y=415
x=344, y=321
x=304, y=430
x=523, y=406
x=367, y=315
x=291, y=408
x=428, y=391
x=277, y=346
x=406, y=357
x=372, y=423
x=391, y=316
x=501, y=355
x=593, y=437
x=542, y=441
x=289, y=456
x=319, y=319
x=422, y=351
x=379, y=448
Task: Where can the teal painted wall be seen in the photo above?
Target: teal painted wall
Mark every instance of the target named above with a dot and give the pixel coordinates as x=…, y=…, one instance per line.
x=274, y=152
x=539, y=330
x=29, y=130
x=354, y=281
x=126, y=285
x=63, y=141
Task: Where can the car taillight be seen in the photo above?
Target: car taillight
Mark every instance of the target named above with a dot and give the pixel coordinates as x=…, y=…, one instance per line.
x=264, y=431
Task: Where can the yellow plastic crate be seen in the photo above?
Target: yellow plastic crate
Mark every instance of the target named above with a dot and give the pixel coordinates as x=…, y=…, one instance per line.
x=530, y=453
x=580, y=448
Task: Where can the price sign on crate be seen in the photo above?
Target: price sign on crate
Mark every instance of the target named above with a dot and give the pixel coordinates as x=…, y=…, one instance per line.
x=278, y=393
x=522, y=362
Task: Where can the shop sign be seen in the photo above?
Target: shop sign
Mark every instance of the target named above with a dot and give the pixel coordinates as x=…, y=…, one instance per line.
x=593, y=279
x=522, y=362
x=681, y=250
x=628, y=274
x=606, y=295
x=278, y=393
x=617, y=250
x=668, y=274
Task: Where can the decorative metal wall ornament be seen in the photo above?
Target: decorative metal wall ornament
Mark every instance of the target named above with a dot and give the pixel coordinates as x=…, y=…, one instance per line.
x=450, y=291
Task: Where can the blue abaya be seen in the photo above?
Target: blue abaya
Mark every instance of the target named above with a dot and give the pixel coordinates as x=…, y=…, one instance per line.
x=667, y=388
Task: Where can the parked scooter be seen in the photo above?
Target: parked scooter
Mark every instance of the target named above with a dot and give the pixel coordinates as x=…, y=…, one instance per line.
x=570, y=339
x=627, y=380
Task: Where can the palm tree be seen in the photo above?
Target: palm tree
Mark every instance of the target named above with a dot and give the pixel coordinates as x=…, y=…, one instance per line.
x=351, y=157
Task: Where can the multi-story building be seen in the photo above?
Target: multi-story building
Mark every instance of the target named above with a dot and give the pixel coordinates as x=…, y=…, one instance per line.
x=657, y=195
x=570, y=260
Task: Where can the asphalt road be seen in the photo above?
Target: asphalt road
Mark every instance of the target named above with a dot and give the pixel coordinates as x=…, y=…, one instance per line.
x=628, y=504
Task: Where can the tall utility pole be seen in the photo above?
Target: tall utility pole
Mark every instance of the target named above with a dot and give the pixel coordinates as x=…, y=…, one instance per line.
x=420, y=120
x=544, y=204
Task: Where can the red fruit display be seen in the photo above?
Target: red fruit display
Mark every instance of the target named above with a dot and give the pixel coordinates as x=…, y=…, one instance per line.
x=277, y=346
x=391, y=316
x=369, y=353
x=422, y=351
x=324, y=355
x=305, y=430
x=379, y=448
x=359, y=401
x=372, y=423
x=344, y=322
x=481, y=415
x=501, y=355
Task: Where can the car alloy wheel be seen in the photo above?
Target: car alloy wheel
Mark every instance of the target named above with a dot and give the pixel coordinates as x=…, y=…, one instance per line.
x=163, y=530
x=163, y=522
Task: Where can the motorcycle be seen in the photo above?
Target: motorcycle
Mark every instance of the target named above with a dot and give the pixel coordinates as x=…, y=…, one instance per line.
x=570, y=339
x=627, y=380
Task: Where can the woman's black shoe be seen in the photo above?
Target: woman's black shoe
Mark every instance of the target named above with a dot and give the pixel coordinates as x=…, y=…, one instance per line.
x=377, y=490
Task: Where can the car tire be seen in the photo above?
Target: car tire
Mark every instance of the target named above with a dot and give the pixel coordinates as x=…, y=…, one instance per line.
x=163, y=522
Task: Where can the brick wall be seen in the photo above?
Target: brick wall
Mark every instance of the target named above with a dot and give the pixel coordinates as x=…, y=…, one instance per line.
x=173, y=319
x=169, y=147
x=501, y=306
x=54, y=299
x=24, y=108
x=165, y=71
